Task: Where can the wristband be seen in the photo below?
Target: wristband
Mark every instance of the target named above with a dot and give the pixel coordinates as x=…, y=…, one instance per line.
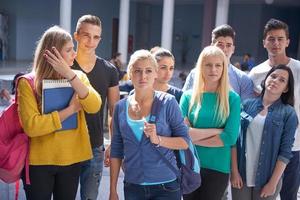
x=159, y=141
x=70, y=80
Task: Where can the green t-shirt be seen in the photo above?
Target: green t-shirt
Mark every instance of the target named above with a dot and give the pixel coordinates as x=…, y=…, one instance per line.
x=215, y=158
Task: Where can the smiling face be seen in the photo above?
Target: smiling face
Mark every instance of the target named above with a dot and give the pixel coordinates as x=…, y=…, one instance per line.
x=277, y=82
x=68, y=53
x=276, y=42
x=165, y=69
x=88, y=37
x=212, y=69
x=143, y=74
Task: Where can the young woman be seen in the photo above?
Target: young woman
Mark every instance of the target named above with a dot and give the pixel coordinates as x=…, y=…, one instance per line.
x=212, y=110
x=268, y=125
x=166, y=63
x=147, y=176
x=55, y=155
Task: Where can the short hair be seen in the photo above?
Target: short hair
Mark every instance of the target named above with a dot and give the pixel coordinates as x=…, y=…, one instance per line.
x=89, y=19
x=141, y=55
x=115, y=55
x=247, y=54
x=275, y=24
x=287, y=97
x=222, y=31
x=162, y=52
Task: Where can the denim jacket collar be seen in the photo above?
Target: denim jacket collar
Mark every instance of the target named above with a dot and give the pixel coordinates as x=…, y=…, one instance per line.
x=260, y=105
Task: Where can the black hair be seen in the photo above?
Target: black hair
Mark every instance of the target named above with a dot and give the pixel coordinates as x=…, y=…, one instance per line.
x=223, y=31
x=115, y=55
x=13, y=84
x=286, y=97
x=275, y=24
x=161, y=52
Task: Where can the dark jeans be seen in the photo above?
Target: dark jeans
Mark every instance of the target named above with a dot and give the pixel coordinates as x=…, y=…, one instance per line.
x=166, y=191
x=291, y=178
x=212, y=187
x=48, y=180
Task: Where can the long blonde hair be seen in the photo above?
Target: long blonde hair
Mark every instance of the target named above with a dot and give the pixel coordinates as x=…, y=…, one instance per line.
x=52, y=37
x=222, y=106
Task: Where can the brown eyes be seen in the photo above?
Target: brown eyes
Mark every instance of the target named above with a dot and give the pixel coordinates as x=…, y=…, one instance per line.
x=273, y=76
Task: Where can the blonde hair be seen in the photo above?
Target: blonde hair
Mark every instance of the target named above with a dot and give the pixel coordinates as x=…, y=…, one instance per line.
x=53, y=37
x=141, y=55
x=222, y=106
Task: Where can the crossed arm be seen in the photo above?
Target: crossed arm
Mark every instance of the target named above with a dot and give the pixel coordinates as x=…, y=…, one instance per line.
x=206, y=137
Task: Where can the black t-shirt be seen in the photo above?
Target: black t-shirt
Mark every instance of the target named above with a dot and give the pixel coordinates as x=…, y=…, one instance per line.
x=175, y=92
x=103, y=76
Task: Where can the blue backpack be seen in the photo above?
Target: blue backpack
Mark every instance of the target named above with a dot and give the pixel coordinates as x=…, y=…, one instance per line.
x=188, y=174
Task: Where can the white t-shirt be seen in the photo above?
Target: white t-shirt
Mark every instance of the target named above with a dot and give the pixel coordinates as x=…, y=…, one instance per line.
x=257, y=75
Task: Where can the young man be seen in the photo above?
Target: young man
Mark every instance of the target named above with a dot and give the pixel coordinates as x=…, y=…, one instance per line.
x=223, y=37
x=275, y=41
x=104, y=78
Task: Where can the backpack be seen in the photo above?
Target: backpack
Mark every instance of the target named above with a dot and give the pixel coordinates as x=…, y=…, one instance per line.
x=14, y=143
x=188, y=174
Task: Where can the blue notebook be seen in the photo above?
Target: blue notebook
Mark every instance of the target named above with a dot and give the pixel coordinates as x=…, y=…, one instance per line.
x=56, y=96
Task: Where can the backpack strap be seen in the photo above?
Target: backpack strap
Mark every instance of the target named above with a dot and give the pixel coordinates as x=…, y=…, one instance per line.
x=30, y=78
x=156, y=107
x=17, y=189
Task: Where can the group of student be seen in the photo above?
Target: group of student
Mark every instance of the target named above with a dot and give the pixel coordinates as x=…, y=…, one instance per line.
x=250, y=145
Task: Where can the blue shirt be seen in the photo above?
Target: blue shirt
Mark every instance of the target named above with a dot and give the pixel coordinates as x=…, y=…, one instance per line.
x=175, y=92
x=239, y=81
x=141, y=163
x=277, y=137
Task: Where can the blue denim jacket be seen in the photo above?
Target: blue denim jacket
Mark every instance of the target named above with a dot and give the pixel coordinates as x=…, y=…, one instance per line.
x=277, y=138
x=141, y=161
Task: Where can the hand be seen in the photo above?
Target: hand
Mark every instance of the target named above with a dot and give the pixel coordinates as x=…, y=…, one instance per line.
x=107, y=157
x=75, y=104
x=5, y=94
x=187, y=122
x=150, y=132
x=236, y=180
x=268, y=190
x=113, y=196
x=55, y=59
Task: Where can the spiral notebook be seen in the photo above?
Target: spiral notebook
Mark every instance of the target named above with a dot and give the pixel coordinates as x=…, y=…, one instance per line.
x=56, y=95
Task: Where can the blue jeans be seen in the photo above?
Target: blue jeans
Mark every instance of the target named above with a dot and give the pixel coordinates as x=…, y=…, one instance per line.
x=291, y=178
x=164, y=191
x=91, y=173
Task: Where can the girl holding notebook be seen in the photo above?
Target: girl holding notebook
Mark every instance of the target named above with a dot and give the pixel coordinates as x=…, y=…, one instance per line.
x=55, y=153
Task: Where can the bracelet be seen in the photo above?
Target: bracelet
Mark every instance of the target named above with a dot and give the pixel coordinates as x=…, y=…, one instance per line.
x=159, y=141
x=72, y=78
